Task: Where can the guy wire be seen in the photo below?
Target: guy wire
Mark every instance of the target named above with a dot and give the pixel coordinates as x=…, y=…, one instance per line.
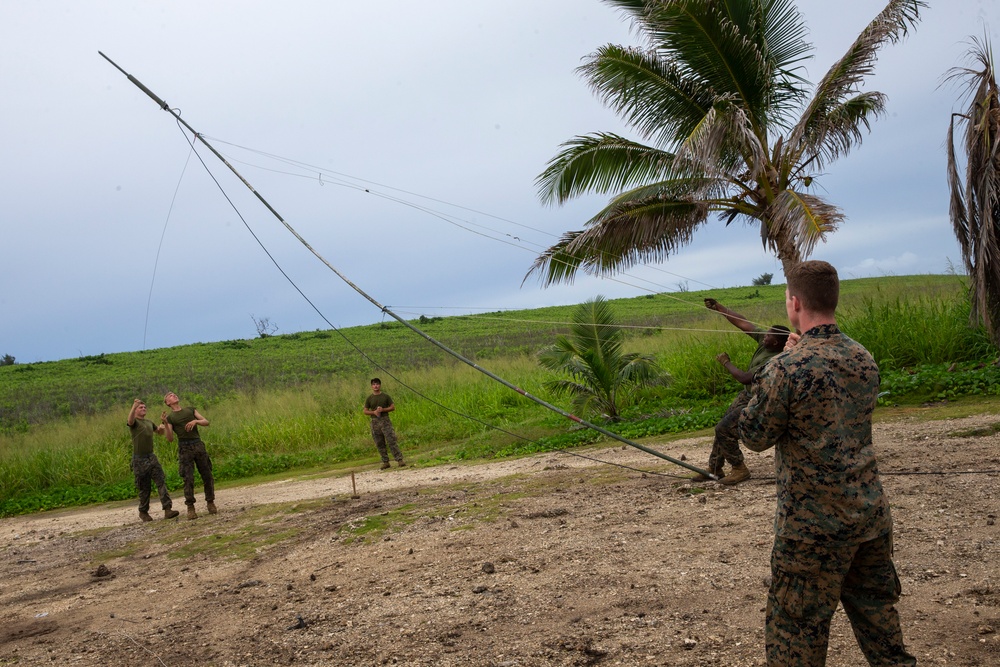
x=466, y=224
x=159, y=247
x=320, y=171
x=163, y=105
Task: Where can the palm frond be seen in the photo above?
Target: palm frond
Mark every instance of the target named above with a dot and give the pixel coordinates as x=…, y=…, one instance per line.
x=603, y=163
x=840, y=129
x=784, y=32
x=800, y=220
x=653, y=96
x=728, y=45
x=622, y=235
x=975, y=210
x=956, y=209
x=601, y=376
x=845, y=77
x=716, y=82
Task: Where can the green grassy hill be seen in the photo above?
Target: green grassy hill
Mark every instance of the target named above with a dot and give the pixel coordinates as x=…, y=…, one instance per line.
x=293, y=402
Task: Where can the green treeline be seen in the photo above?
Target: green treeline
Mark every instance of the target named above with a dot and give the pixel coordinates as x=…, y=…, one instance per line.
x=293, y=402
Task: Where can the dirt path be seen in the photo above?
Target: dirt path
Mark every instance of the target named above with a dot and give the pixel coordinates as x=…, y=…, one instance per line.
x=366, y=481
x=547, y=560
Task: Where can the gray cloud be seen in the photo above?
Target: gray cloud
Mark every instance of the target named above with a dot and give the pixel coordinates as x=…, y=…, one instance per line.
x=462, y=102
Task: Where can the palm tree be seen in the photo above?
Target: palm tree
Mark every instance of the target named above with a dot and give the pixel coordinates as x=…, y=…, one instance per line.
x=602, y=378
x=719, y=96
x=975, y=206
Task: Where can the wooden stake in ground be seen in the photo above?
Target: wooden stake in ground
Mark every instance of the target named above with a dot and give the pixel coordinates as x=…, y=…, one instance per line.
x=354, y=487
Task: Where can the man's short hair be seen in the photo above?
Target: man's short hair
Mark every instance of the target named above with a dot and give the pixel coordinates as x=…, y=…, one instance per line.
x=374, y=380
x=816, y=284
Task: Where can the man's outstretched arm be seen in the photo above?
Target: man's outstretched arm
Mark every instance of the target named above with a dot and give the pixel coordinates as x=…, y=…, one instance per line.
x=737, y=320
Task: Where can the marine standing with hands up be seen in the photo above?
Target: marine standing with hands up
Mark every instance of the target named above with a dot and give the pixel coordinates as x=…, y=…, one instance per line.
x=833, y=530
x=191, y=452
x=145, y=466
x=726, y=445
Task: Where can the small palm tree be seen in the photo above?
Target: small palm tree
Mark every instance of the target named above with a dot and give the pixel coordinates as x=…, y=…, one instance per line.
x=975, y=206
x=719, y=95
x=602, y=377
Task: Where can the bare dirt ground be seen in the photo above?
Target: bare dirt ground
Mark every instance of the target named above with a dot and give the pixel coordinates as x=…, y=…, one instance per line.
x=548, y=560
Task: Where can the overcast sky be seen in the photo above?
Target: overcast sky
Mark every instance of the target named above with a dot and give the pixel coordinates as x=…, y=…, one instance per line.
x=401, y=139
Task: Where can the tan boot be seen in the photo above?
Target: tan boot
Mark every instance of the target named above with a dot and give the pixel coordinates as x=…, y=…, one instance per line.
x=212, y=509
x=145, y=516
x=191, y=513
x=739, y=473
x=170, y=514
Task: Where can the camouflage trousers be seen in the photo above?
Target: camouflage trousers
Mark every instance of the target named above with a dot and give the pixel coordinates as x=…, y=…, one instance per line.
x=148, y=471
x=726, y=446
x=807, y=582
x=384, y=435
x=191, y=455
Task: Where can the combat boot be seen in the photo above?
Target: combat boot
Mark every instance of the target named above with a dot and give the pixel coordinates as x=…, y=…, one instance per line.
x=385, y=465
x=698, y=477
x=212, y=509
x=191, y=513
x=145, y=516
x=739, y=473
x=401, y=463
x=170, y=514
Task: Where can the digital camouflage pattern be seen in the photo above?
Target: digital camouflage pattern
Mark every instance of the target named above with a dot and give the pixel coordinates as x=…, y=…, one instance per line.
x=385, y=435
x=833, y=530
x=809, y=579
x=726, y=445
x=146, y=467
x=148, y=471
x=191, y=455
x=814, y=404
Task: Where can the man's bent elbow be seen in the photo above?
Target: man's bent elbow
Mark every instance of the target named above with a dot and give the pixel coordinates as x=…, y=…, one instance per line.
x=757, y=445
x=754, y=439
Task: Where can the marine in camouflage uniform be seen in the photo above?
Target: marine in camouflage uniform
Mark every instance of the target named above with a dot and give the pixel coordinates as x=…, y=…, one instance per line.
x=145, y=466
x=378, y=406
x=191, y=452
x=726, y=445
x=833, y=529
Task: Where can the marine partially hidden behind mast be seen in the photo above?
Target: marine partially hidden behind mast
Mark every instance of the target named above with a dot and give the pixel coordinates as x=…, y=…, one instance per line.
x=726, y=446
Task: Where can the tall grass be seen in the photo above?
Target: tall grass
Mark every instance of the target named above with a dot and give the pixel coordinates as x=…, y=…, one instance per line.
x=917, y=329
x=907, y=332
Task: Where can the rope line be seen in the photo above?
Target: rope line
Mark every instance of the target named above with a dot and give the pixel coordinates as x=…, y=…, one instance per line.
x=599, y=326
x=322, y=170
x=467, y=224
x=159, y=247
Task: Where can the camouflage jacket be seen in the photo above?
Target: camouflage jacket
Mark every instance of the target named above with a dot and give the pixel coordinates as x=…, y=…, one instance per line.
x=814, y=404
